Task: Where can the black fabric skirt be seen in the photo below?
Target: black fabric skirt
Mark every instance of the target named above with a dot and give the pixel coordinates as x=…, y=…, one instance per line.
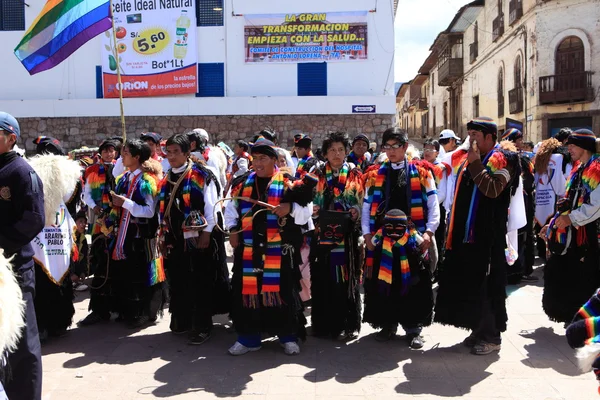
x=568, y=284
x=53, y=303
x=336, y=303
x=413, y=309
x=470, y=274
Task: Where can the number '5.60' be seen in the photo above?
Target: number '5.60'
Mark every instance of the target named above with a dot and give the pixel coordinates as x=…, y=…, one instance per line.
x=151, y=41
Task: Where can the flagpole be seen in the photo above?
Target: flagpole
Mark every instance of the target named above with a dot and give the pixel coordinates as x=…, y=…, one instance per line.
x=120, y=84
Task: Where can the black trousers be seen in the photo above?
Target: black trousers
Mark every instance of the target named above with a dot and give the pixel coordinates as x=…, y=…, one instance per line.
x=487, y=330
x=25, y=363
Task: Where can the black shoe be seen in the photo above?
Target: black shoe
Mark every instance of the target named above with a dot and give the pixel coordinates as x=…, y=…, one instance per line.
x=385, y=335
x=93, y=318
x=416, y=341
x=470, y=341
x=139, y=322
x=530, y=278
x=178, y=328
x=199, y=338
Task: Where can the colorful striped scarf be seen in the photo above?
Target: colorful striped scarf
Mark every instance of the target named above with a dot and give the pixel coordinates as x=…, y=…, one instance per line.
x=387, y=259
x=300, y=172
x=192, y=187
x=347, y=192
x=95, y=176
x=360, y=162
x=418, y=201
x=492, y=162
x=590, y=179
x=271, y=270
x=418, y=198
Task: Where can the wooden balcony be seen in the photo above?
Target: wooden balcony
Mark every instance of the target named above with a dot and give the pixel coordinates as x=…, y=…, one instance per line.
x=449, y=71
x=515, y=100
x=515, y=10
x=473, y=52
x=422, y=104
x=497, y=27
x=566, y=88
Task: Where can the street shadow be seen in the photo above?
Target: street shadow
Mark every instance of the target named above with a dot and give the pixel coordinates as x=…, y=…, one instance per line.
x=445, y=371
x=179, y=368
x=550, y=350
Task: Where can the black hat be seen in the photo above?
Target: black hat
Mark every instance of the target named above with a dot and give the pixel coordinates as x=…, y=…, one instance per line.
x=302, y=140
x=155, y=137
x=48, y=145
x=583, y=138
x=483, y=124
x=106, y=144
x=264, y=146
x=363, y=137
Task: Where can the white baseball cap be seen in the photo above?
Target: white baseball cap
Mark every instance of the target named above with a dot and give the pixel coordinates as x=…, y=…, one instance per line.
x=448, y=134
x=202, y=133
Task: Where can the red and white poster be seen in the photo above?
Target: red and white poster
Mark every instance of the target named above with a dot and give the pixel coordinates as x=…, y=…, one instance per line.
x=155, y=50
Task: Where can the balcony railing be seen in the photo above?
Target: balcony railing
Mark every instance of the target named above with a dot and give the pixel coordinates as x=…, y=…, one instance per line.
x=497, y=27
x=515, y=100
x=449, y=71
x=500, y=105
x=566, y=88
x=473, y=51
x=515, y=9
x=422, y=104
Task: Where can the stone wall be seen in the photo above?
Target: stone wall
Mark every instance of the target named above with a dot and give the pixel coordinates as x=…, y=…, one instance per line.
x=75, y=132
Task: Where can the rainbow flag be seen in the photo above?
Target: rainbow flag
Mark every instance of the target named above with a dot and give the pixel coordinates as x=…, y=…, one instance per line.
x=61, y=28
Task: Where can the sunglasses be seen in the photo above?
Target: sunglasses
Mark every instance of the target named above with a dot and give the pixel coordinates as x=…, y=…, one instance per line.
x=392, y=146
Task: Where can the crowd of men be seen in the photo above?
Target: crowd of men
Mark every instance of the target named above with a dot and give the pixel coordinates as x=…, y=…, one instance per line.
x=307, y=230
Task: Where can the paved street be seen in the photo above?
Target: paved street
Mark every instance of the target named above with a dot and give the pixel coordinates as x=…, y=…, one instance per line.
x=109, y=361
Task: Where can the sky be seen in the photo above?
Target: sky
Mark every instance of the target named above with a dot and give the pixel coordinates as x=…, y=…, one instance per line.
x=418, y=23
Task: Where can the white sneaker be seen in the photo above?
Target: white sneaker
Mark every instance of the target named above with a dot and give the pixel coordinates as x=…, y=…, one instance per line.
x=238, y=349
x=291, y=348
x=81, y=288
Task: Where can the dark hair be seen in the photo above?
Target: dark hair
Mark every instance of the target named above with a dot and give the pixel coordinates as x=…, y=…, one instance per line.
x=563, y=134
x=181, y=140
x=444, y=142
x=244, y=145
x=269, y=134
x=335, y=137
x=394, y=134
x=138, y=148
x=193, y=137
x=529, y=144
x=432, y=142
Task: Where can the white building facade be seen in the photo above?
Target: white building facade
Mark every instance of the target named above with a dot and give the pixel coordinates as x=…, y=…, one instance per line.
x=66, y=102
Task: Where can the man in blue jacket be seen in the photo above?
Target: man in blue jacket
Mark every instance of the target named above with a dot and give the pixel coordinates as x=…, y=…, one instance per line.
x=22, y=211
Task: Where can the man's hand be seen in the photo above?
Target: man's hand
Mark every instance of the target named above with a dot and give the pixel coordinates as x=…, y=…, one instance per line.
x=97, y=210
x=426, y=241
x=282, y=210
x=234, y=240
x=117, y=200
x=368, y=241
x=473, y=154
x=542, y=233
x=204, y=240
x=562, y=222
x=354, y=214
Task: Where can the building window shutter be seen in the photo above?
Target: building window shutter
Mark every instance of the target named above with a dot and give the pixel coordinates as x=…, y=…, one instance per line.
x=312, y=79
x=211, y=80
x=12, y=15
x=209, y=12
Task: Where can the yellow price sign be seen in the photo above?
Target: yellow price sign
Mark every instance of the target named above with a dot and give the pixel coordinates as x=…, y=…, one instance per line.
x=151, y=41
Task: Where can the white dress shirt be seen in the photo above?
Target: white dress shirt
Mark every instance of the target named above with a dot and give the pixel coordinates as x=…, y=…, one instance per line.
x=138, y=210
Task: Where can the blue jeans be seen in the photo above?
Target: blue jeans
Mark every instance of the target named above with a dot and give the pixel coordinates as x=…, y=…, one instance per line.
x=255, y=340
